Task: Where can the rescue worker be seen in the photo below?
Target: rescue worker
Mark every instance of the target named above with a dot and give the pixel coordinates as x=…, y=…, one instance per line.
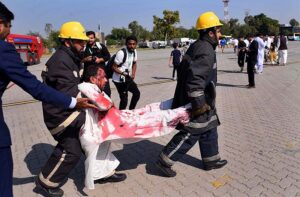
x=63, y=75
x=196, y=85
x=12, y=69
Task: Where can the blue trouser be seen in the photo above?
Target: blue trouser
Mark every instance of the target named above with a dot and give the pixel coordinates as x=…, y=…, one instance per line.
x=183, y=141
x=6, y=172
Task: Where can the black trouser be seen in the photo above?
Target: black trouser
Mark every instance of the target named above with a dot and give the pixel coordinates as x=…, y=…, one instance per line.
x=183, y=141
x=175, y=66
x=241, y=59
x=250, y=71
x=123, y=89
x=65, y=156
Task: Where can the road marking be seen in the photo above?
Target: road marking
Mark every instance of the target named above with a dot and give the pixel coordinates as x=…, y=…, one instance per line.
x=34, y=101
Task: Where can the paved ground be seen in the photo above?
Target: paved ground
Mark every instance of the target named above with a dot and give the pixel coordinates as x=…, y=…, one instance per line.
x=259, y=136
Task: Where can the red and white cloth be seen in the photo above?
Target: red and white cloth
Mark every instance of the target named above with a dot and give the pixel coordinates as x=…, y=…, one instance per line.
x=125, y=126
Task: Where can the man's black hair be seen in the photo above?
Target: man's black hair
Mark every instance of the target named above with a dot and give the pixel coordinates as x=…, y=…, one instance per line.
x=282, y=34
x=5, y=13
x=175, y=45
x=250, y=35
x=259, y=34
x=132, y=37
x=91, y=71
x=90, y=33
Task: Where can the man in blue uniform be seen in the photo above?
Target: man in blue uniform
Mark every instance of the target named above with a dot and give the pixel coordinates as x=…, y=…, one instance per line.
x=196, y=85
x=13, y=69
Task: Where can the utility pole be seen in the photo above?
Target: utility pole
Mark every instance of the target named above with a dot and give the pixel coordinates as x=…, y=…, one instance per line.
x=226, y=12
x=99, y=33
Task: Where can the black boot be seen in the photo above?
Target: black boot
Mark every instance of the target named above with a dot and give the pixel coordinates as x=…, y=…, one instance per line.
x=49, y=192
x=165, y=169
x=214, y=164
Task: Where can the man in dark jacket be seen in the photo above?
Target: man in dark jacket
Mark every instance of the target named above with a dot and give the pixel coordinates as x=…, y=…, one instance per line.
x=96, y=53
x=252, y=52
x=12, y=69
x=196, y=85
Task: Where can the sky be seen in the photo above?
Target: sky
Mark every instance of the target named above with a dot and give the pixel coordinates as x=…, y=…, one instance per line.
x=32, y=15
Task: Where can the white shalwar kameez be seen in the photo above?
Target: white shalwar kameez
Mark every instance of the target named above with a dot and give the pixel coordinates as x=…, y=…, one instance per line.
x=109, y=124
x=260, y=55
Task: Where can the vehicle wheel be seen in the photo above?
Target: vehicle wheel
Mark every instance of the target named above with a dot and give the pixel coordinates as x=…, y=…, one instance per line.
x=36, y=59
x=31, y=59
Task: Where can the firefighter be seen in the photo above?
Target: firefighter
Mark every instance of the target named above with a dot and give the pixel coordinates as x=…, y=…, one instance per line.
x=63, y=75
x=196, y=85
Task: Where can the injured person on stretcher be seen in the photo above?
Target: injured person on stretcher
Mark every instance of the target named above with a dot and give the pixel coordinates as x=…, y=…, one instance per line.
x=109, y=124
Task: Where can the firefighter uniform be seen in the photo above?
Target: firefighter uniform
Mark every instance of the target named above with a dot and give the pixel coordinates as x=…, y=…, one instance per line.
x=200, y=79
x=63, y=75
x=196, y=85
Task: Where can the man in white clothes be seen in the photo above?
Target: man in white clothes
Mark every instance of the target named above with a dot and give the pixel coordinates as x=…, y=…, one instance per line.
x=261, y=53
x=125, y=65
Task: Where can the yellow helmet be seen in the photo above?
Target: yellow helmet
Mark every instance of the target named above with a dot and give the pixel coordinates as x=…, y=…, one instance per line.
x=207, y=20
x=72, y=30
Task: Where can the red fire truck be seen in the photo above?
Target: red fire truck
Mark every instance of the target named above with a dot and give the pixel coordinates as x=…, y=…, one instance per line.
x=30, y=48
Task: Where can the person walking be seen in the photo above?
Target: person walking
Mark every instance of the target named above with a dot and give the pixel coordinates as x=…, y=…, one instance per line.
x=124, y=67
x=174, y=60
x=223, y=43
x=12, y=69
x=252, y=52
x=196, y=84
x=261, y=53
x=282, y=50
x=241, y=53
x=96, y=53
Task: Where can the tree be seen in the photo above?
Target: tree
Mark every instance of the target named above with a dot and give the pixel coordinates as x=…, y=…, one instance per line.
x=181, y=32
x=263, y=24
x=164, y=27
x=53, y=40
x=118, y=35
x=139, y=31
x=135, y=28
x=244, y=30
x=294, y=23
x=193, y=33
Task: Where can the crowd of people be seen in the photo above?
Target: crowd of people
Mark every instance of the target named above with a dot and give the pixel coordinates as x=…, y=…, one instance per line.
x=258, y=50
x=81, y=117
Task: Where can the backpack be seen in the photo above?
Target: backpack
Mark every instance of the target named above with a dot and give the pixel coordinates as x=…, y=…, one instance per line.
x=109, y=65
x=97, y=44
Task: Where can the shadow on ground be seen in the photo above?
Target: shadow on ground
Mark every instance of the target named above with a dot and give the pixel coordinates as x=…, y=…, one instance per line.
x=132, y=155
x=232, y=71
x=147, y=152
x=159, y=78
x=231, y=85
x=35, y=161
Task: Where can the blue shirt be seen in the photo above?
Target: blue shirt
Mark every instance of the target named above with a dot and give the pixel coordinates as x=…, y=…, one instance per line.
x=13, y=69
